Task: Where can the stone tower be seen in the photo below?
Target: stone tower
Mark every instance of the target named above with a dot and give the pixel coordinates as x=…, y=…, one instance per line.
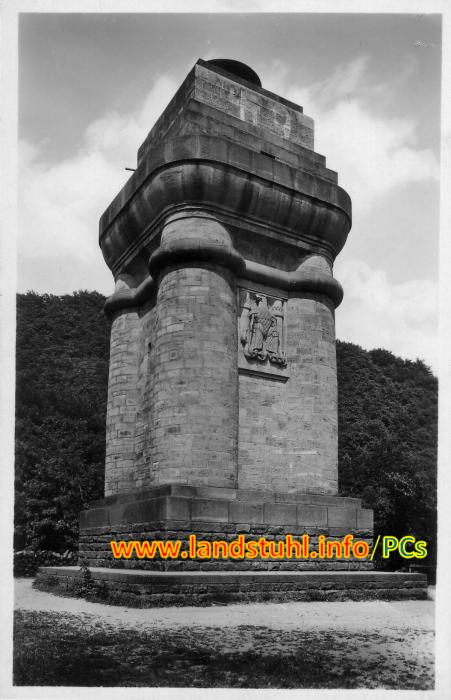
x=222, y=397
x=222, y=368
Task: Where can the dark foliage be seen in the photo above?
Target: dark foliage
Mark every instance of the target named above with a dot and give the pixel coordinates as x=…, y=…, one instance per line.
x=387, y=426
x=62, y=375
x=27, y=561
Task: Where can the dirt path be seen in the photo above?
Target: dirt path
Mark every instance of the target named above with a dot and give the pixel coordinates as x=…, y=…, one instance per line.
x=387, y=616
x=372, y=644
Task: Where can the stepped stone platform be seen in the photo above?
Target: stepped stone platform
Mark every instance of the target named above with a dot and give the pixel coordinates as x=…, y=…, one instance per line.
x=152, y=589
x=176, y=511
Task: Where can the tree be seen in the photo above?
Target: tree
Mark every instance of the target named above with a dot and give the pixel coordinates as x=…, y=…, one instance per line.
x=387, y=428
x=62, y=375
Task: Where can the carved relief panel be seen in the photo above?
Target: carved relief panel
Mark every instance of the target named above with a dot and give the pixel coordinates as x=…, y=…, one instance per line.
x=262, y=334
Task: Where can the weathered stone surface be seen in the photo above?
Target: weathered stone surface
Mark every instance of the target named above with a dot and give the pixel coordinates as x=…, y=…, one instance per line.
x=365, y=519
x=149, y=589
x=122, y=402
x=194, y=377
x=245, y=512
x=312, y=515
x=209, y=509
x=179, y=422
x=208, y=85
x=280, y=513
x=222, y=403
x=341, y=517
x=235, y=184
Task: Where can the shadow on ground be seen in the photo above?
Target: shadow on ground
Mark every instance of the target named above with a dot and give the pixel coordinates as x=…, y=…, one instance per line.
x=83, y=650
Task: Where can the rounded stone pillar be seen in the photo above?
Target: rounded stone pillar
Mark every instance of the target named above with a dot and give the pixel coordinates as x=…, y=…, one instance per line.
x=194, y=366
x=122, y=398
x=312, y=390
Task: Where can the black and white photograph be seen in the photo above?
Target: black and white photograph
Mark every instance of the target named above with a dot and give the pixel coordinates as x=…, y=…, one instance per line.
x=226, y=316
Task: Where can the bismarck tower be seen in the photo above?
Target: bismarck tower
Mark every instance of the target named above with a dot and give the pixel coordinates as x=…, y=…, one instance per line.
x=222, y=397
x=222, y=369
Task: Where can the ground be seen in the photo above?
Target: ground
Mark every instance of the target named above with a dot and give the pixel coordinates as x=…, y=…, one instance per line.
x=374, y=644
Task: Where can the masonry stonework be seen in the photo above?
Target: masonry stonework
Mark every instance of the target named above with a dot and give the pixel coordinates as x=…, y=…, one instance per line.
x=122, y=402
x=222, y=399
x=195, y=377
x=223, y=370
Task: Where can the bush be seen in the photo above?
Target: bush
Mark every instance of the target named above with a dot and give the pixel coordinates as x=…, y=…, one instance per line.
x=27, y=561
x=86, y=587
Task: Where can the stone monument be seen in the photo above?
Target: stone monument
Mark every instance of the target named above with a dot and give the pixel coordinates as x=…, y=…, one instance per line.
x=222, y=397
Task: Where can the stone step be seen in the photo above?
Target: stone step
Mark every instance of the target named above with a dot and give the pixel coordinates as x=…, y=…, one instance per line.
x=149, y=589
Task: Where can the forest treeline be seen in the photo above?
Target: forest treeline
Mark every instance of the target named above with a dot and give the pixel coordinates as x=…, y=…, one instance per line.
x=387, y=411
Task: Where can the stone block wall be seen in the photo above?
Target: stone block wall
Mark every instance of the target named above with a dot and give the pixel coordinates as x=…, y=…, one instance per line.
x=143, y=454
x=95, y=549
x=228, y=198
x=255, y=107
x=194, y=377
x=122, y=403
x=288, y=429
x=312, y=394
x=178, y=413
x=177, y=511
x=144, y=589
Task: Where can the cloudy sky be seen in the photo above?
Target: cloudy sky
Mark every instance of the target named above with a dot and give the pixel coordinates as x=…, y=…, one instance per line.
x=92, y=85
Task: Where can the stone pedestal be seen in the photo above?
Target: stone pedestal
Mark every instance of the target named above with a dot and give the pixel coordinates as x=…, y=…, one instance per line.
x=178, y=511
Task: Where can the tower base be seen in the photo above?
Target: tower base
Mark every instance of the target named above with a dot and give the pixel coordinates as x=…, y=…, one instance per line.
x=178, y=511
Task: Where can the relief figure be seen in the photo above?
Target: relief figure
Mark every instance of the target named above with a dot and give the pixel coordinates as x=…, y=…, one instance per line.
x=261, y=329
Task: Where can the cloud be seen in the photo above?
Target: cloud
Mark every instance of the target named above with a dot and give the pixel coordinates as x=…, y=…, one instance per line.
x=344, y=81
x=60, y=204
x=379, y=314
x=373, y=153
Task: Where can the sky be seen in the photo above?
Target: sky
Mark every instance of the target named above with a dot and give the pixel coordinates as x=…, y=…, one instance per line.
x=92, y=85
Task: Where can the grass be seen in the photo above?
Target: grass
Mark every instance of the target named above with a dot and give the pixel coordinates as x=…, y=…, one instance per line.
x=83, y=650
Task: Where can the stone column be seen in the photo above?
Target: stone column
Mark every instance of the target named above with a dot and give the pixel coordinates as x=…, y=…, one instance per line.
x=312, y=449
x=122, y=398
x=195, y=376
